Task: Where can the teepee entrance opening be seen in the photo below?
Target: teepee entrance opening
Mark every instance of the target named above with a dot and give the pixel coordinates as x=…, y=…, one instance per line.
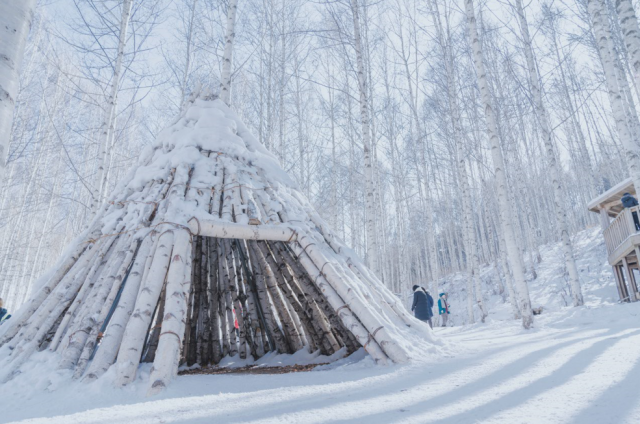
x=248, y=298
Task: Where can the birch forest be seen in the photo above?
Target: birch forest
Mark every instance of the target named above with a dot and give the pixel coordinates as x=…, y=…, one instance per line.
x=433, y=136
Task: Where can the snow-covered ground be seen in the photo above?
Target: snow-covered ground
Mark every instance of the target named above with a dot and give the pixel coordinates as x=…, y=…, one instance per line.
x=578, y=365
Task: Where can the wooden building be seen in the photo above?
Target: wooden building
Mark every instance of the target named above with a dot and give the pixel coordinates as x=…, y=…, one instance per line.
x=622, y=237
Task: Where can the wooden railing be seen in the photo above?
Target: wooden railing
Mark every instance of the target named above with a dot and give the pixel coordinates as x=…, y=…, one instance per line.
x=620, y=229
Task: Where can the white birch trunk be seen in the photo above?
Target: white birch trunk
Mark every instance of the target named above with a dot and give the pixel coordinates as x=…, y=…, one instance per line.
x=342, y=310
x=134, y=334
x=227, y=295
x=356, y=303
x=631, y=34
x=629, y=140
x=469, y=237
x=506, y=215
x=370, y=195
x=106, y=354
x=11, y=328
x=545, y=129
x=293, y=336
x=227, y=59
x=15, y=23
x=95, y=312
x=108, y=126
x=187, y=64
x=231, y=230
x=355, y=265
x=165, y=365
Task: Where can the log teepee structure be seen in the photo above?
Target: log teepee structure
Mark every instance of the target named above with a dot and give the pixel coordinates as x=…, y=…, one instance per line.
x=207, y=230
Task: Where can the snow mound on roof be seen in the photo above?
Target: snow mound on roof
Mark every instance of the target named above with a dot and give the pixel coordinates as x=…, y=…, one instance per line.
x=207, y=125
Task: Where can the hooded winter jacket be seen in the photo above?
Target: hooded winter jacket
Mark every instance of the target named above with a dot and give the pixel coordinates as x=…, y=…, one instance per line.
x=443, y=305
x=628, y=201
x=421, y=304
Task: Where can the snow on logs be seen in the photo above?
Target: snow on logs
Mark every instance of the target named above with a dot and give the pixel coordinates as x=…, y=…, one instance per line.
x=206, y=232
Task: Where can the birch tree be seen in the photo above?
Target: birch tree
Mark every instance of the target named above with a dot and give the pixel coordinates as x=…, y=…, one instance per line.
x=629, y=139
x=506, y=218
x=631, y=33
x=108, y=125
x=227, y=59
x=370, y=194
x=15, y=23
x=547, y=138
x=469, y=238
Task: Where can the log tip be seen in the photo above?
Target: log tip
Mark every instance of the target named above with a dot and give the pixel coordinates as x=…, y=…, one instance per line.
x=157, y=387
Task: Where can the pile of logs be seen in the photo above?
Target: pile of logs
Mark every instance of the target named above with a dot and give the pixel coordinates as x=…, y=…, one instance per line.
x=169, y=266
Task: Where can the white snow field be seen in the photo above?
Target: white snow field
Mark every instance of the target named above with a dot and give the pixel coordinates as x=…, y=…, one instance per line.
x=578, y=365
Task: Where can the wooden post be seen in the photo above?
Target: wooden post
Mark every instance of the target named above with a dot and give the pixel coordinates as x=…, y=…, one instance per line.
x=631, y=226
x=604, y=218
x=634, y=283
x=618, y=282
x=624, y=293
x=633, y=289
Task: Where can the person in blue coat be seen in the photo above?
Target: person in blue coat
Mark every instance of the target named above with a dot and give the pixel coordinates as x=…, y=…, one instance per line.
x=422, y=304
x=628, y=201
x=4, y=315
x=443, y=308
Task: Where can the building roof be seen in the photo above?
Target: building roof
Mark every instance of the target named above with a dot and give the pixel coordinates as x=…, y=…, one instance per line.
x=610, y=199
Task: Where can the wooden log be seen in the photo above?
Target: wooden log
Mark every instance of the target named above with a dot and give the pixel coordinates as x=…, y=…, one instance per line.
x=313, y=316
x=248, y=303
x=36, y=327
x=227, y=203
x=311, y=344
x=239, y=204
x=202, y=356
x=155, y=236
x=106, y=354
x=214, y=301
x=370, y=292
x=230, y=230
x=133, y=341
x=27, y=341
x=275, y=204
x=237, y=303
x=364, y=313
x=11, y=327
x=350, y=321
x=62, y=290
x=360, y=269
x=305, y=320
x=116, y=283
x=271, y=215
x=254, y=214
x=151, y=345
x=134, y=334
x=80, y=300
x=222, y=299
x=165, y=365
x=215, y=207
x=270, y=323
x=95, y=279
x=49, y=336
x=230, y=294
x=332, y=322
x=291, y=332
x=189, y=350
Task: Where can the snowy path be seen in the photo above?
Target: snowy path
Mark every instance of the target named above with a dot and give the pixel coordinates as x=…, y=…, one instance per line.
x=577, y=366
